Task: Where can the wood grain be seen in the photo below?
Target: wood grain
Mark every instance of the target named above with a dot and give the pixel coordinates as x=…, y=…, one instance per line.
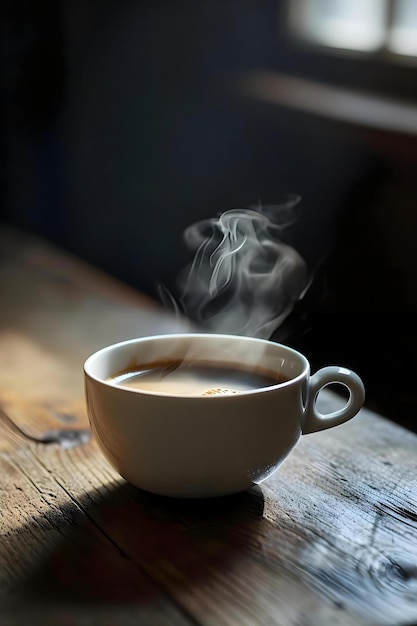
x=331, y=538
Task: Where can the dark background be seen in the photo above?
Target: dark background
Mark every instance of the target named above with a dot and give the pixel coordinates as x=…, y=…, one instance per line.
x=122, y=125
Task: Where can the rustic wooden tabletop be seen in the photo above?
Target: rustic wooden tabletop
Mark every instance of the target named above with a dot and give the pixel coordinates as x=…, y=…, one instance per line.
x=331, y=538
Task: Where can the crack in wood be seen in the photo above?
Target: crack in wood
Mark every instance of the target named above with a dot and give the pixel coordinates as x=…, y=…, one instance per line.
x=66, y=438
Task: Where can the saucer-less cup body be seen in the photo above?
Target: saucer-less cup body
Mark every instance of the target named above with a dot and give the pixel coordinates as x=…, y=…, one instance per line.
x=205, y=446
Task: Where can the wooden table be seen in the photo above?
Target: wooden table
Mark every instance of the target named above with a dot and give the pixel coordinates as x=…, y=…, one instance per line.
x=330, y=539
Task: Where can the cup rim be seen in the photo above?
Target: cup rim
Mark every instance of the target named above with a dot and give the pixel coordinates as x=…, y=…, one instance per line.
x=89, y=362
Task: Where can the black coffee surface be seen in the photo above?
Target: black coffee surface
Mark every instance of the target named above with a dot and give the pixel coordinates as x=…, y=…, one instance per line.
x=196, y=378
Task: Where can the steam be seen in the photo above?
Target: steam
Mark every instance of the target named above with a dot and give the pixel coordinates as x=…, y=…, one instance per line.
x=243, y=279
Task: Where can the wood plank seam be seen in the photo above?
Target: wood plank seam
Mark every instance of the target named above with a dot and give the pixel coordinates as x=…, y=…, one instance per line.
x=144, y=571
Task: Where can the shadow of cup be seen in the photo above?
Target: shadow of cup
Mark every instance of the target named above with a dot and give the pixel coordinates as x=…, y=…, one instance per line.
x=126, y=546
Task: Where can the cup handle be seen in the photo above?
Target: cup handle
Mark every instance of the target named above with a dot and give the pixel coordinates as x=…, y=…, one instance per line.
x=313, y=419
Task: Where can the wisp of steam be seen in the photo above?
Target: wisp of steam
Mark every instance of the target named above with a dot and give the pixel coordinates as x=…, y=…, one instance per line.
x=243, y=279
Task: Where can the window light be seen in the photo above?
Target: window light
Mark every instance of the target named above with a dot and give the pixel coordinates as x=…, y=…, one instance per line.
x=403, y=35
x=349, y=24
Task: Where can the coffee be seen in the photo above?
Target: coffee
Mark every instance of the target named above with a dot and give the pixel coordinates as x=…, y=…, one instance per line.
x=196, y=378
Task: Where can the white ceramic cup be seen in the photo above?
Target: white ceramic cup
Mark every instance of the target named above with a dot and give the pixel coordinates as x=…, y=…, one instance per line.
x=206, y=446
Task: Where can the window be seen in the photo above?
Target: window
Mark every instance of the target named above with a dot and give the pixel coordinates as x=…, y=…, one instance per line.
x=360, y=25
x=403, y=33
